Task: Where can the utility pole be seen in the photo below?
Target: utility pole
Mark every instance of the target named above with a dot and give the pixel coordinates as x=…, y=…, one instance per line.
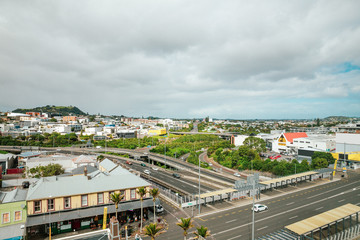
x=199, y=188
x=253, y=211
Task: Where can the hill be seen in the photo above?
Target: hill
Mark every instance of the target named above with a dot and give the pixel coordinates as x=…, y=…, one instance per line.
x=59, y=110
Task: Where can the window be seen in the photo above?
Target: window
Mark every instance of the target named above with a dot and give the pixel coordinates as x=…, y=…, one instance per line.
x=6, y=218
x=51, y=204
x=100, y=198
x=132, y=193
x=84, y=200
x=18, y=216
x=110, y=193
x=301, y=141
x=37, y=206
x=67, y=202
x=122, y=192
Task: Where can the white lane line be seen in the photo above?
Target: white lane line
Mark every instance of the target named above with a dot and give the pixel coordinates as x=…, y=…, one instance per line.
x=293, y=217
x=231, y=221
x=282, y=213
x=341, y=200
x=290, y=203
x=234, y=237
x=319, y=208
x=261, y=228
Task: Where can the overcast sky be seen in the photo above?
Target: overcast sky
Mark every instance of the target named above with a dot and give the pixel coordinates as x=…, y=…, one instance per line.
x=183, y=59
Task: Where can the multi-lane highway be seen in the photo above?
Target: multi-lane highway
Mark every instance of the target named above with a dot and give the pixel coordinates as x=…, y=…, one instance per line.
x=283, y=210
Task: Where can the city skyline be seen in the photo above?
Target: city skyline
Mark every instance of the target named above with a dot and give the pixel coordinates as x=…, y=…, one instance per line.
x=183, y=59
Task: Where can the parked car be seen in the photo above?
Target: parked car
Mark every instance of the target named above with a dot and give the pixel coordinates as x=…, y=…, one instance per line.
x=176, y=175
x=143, y=164
x=128, y=162
x=155, y=168
x=259, y=207
x=147, y=171
x=236, y=174
x=159, y=208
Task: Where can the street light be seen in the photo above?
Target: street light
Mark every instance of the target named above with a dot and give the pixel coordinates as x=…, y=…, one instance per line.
x=49, y=219
x=199, y=187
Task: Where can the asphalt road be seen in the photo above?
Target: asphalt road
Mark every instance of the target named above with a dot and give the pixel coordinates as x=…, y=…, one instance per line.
x=283, y=210
x=186, y=185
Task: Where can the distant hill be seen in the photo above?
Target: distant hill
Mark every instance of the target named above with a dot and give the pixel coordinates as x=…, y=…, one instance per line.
x=340, y=118
x=59, y=110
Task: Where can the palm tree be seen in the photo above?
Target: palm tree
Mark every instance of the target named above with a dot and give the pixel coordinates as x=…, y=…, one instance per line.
x=152, y=230
x=185, y=224
x=154, y=193
x=202, y=233
x=142, y=192
x=116, y=198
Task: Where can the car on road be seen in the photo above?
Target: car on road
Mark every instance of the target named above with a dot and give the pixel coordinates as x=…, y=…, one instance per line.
x=176, y=175
x=275, y=157
x=128, y=162
x=236, y=174
x=155, y=168
x=143, y=164
x=147, y=171
x=259, y=207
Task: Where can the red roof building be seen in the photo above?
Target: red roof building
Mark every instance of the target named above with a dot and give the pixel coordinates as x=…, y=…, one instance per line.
x=291, y=136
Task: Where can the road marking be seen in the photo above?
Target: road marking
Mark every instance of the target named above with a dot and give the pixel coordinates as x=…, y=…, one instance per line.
x=319, y=208
x=204, y=220
x=290, y=203
x=261, y=228
x=227, y=214
x=282, y=213
x=293, y=217
x=341, y=200
x=234, y=237
x=231, y=221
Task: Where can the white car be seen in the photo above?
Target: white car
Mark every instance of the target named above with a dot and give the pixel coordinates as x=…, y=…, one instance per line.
x=259, y=207
x=236, y=174
x=147, y=171
x=155, y=168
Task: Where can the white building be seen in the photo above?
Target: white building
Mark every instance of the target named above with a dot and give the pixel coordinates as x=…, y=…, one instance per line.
x=324, y=143
x=347, y=142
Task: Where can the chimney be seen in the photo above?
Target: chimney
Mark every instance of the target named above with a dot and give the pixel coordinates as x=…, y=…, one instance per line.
x=85, y=171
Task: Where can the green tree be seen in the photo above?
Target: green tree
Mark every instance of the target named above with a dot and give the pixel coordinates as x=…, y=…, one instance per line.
x=116, y=198
x=152, y=230
x=142, y=192
x=255, y=143
x=202, y=233
x=328, y=156
x=318, y=163
x=185, y=224
x=154, y=193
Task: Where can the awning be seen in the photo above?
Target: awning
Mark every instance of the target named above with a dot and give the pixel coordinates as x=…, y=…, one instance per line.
x=85, y=212
x=12, y=231
x=281, y=179
x=216, y=193
x=323, y=219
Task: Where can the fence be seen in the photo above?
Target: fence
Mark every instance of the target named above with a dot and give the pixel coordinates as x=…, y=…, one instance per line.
x=347, y=234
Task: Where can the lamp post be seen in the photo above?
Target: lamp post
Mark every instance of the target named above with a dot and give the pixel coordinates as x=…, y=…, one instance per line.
x=253, y=211
x=49, y=219
x=199, y=188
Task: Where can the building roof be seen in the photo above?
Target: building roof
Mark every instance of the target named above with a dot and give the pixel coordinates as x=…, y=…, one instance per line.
x=108, y=164
x=290, y=136
x=84, y=159
x=15, y=195
x=29, y=154
x=6, y=156
x=76, y=185
x=80, y=170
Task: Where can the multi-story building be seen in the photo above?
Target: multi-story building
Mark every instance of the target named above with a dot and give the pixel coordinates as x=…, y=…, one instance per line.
x=77, y=202
x=13, y=214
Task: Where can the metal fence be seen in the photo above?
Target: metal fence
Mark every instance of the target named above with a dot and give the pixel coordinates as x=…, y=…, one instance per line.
x=347, y=234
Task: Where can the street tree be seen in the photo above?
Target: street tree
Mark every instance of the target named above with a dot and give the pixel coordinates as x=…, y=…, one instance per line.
x=154, y=193
x=116, y=198
x=142, y=192
x=152, y=230
x=202, y=233
x=185, y=224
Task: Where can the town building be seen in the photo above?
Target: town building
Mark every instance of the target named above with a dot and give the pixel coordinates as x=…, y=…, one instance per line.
x=77, y=202
x=13, y=214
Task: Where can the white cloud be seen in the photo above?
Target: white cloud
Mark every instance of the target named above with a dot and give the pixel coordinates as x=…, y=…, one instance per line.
x=182, y=58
